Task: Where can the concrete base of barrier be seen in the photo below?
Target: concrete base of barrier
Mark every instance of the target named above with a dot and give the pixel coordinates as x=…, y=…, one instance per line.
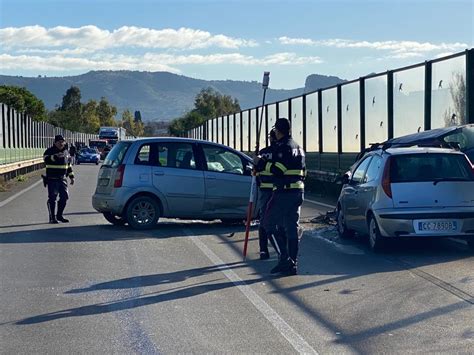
x=12, y=170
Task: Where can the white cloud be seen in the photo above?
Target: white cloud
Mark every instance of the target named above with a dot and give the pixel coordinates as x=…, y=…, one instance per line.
x=60, y=63
x=92, y=37
x=147, y=62
x=233, y=58
x=401, y=49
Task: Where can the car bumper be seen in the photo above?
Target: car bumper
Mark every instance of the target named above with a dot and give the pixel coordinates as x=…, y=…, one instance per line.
x=406, y=223
x=114, y=203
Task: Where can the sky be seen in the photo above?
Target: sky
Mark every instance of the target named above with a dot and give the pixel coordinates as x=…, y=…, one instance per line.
x=230, y=39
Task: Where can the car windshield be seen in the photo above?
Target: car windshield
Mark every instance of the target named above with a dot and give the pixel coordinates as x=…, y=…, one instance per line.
x=430, y=167
x=115, y=156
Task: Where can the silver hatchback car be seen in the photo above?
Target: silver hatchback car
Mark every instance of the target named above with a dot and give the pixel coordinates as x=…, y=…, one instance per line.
x=144, y=179
x=408, y=192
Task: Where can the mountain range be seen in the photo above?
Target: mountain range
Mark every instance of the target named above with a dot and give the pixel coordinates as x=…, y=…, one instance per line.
x=159, y=96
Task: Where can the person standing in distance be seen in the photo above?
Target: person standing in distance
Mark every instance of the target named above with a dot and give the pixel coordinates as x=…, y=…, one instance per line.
x=58, y=169
x=288, y=169
x=72, y=153
x=265, y=186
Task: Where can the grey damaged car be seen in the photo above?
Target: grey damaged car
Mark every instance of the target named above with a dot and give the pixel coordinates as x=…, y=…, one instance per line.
x=145, y=179
x=409, y=187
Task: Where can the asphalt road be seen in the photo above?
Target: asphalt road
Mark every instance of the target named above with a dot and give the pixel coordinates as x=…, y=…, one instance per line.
x=90, y=287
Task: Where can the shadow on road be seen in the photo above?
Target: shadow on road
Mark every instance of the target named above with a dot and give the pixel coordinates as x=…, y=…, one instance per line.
x=146, y=299
x=156, y=279
x=64, y=233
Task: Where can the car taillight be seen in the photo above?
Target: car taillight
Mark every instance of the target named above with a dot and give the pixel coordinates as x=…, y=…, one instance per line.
x=386, y=182
x=119, y=176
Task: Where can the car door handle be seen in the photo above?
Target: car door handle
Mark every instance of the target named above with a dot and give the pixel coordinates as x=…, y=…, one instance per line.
x=159, y=173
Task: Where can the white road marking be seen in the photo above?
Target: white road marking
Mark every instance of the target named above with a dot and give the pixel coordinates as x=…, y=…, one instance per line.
x=320, y=203
x=298, y=343
x=11, y=198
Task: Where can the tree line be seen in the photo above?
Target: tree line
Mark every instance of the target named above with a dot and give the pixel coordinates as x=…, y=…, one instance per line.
x=87, y=117
x=208, y=104
x=72, y=114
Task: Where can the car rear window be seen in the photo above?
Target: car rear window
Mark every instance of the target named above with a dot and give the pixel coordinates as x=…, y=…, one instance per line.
x=116, y=155
x=430, y=167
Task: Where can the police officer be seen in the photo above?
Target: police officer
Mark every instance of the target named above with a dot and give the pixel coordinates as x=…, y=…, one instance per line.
x=265, y=185
x=58, y=168
x=287, y=166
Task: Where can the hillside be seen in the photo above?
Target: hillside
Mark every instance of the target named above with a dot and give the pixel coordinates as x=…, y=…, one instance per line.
x=158, y=95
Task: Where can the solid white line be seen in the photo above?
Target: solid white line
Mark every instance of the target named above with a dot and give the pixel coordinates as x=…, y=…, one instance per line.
x=298, y=343
x=10, y=199
x=320, y=203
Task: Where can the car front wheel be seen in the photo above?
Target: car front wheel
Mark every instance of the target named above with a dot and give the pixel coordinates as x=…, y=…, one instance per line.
x=143, y=212
x=341, y=225
x=377, y=243
x=114, y=219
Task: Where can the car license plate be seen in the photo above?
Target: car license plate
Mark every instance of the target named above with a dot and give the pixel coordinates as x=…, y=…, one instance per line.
x=437, y=226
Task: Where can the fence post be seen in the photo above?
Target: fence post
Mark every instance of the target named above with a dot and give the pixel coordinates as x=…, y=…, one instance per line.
x=470, y=85
x=390, y=103
x=428, y=83
x=362, y=112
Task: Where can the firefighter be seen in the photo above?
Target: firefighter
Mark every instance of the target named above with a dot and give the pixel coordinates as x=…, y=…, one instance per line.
x=58, y=169
x=265, y=186
x=287, y=166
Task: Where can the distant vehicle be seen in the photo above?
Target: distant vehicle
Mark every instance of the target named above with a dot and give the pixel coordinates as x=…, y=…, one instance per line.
x=112, y=134
x=105, y=151
x=99, y=144
x=145, y=179
x=408, y=192
x=88, y=155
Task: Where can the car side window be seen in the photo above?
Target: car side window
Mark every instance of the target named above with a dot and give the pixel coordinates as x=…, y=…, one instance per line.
x=175, y=155
x=222, y=160
x=143, y=155
x=373, y=169
x=359, y=173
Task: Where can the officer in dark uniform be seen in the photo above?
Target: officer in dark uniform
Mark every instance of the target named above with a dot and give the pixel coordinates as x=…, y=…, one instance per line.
x=287, y=166
x=265, y=186
x=58, y=169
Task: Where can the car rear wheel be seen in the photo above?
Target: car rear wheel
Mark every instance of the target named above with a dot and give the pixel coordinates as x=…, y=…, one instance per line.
x=377, y=243
x=114, y=219
x=341, y=225
x=143, y=212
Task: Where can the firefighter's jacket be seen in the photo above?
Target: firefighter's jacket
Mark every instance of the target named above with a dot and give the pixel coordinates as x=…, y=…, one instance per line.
x=57, y=167
x=286, y=165
x=264, y=178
